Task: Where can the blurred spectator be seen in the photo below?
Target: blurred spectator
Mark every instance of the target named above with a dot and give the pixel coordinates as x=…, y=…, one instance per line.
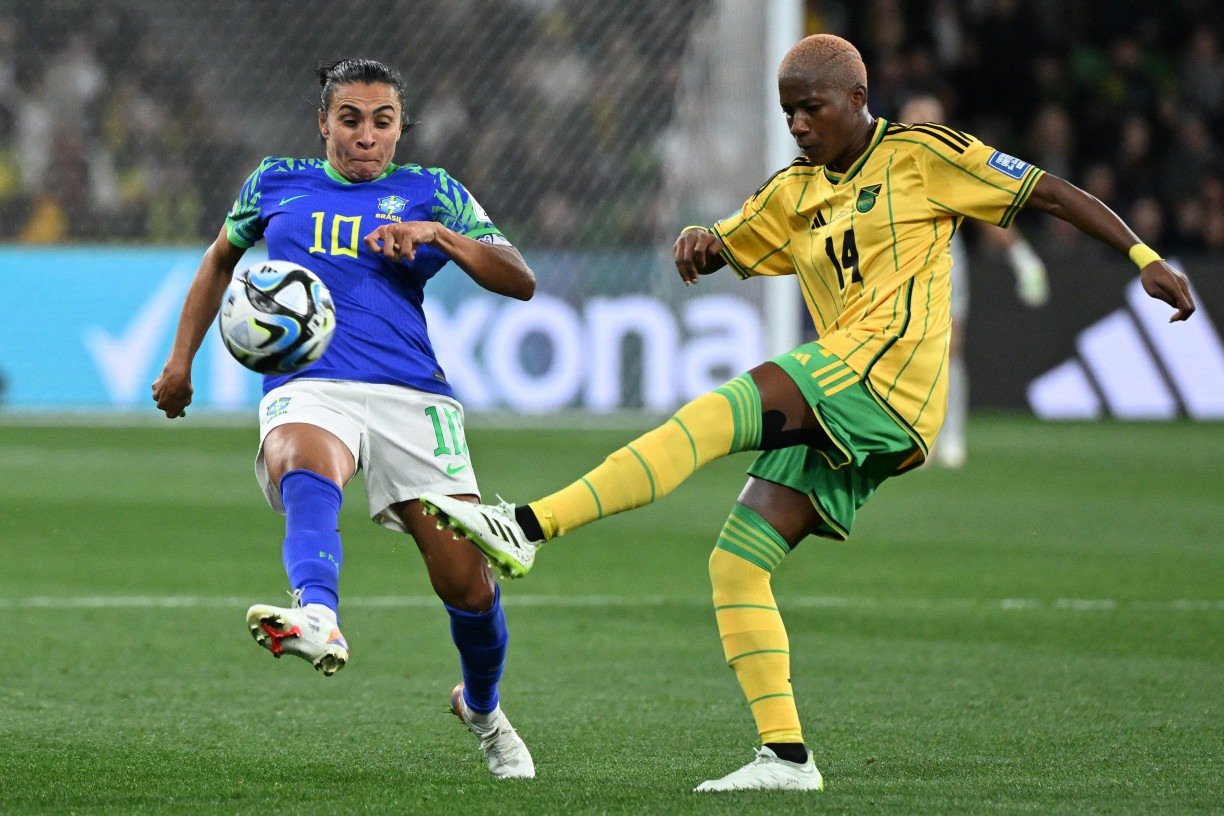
x=1051, y=140
x=444, y=121
x=1147, y=220
x=1202, y=73
x=947, y=32
x=1137, y=170
x=1100, y=180
x=1212, y=196
x=74, y=79
x=1190, y=225
x=34, y=128
x=1192, y=155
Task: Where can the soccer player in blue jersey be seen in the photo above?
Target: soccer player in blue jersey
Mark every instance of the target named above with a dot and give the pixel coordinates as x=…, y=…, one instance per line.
x=375, y=232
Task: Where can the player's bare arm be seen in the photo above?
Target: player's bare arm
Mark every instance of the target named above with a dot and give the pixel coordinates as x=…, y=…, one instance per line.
x=172, y=390
x=1086, y=212
x=497, y=267
x=698, y=251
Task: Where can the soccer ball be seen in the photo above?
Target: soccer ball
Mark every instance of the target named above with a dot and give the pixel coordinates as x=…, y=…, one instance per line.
x=276, y=317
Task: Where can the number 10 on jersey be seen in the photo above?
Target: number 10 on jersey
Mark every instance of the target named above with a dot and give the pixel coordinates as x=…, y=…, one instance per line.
x=339, y=222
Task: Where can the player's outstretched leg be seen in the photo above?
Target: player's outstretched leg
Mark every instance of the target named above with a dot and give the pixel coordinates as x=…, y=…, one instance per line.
x=309, y=632
x=724, y=421
x=505, y=752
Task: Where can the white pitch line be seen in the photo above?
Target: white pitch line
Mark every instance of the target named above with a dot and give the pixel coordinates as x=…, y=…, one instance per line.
x=626, y=601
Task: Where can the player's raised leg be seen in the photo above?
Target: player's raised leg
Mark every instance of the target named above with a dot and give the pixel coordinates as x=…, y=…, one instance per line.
x=308, y=464
x=765, y=524
x=312, y=556
x=758, y=410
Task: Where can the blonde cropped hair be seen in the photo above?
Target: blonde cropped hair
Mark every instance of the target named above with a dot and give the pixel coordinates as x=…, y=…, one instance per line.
x=826, y=59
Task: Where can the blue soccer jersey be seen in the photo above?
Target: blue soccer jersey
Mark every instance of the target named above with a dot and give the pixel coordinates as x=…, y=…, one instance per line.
x=312, y=216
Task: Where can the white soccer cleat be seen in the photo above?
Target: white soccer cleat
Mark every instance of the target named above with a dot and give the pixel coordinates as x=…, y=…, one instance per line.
x=310, y=632
x=505, y=752
x=768, y=772
x=491, y=528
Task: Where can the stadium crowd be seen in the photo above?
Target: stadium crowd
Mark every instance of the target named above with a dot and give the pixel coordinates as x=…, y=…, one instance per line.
x=103, y=134
x=107, y=133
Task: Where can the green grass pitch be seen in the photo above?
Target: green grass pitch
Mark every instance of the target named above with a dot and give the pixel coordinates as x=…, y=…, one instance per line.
x=1037, y=633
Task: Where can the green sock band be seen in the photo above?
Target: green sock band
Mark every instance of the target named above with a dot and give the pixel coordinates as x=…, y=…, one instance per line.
x=745, y=402
x=750, y=537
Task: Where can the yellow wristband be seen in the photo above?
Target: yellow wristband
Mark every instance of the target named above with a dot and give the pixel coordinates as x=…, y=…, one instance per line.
x=696, y=227
x=1141, y=255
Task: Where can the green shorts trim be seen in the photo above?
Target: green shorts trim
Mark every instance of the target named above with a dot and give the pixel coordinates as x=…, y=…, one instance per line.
x=866, y=445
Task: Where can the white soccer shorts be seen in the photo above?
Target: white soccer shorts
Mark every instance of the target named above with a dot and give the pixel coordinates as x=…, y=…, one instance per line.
x=405, y=442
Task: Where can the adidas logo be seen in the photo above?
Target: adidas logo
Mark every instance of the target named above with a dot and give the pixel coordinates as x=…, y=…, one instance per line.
x=1134, y=364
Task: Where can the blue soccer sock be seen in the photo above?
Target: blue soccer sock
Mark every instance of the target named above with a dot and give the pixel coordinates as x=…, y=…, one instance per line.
x=312, y=550
x=482, y=640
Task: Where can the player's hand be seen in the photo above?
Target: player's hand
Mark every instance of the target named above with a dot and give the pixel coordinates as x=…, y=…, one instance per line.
x=399, y=242
x=172, y=391
x=1163, y=282
x=697, y=252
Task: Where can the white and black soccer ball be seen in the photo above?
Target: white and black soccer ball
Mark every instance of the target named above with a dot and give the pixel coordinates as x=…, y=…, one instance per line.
x=276, y=317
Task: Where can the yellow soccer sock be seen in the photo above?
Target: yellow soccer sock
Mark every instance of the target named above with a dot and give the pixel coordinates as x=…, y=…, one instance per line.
x=726, y=420
x=753, y=636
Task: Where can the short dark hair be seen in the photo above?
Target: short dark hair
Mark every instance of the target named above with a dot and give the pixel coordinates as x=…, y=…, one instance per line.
x=334, y=73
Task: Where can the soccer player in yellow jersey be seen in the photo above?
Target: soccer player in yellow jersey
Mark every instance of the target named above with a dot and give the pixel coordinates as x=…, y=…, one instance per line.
x=863, y=219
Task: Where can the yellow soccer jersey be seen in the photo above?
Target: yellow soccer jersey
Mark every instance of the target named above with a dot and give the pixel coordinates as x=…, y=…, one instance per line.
x=870, y=249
